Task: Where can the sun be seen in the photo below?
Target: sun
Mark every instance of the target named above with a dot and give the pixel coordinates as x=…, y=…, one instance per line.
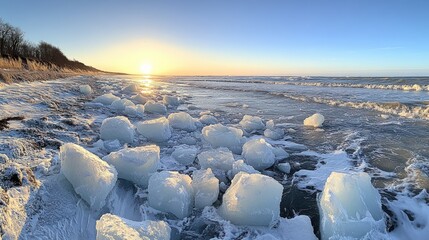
x=146, y=69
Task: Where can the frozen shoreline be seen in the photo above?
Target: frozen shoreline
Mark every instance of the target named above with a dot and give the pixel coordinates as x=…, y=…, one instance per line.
x=68, y=116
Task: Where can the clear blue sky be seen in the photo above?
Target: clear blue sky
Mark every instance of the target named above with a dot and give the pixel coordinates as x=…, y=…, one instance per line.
x=385, y=37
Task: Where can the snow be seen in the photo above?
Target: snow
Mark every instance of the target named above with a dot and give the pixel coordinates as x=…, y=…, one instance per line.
x=85, y=89
x=259, y=154
x=206, y=187
x=208, y=119
x=135, y=164
x=251, y=123
x=219, y=135
x=156, y=130
x=241, y=166
x=117, y=128
x=220, y=158
x=170, y=100
x=350, y=207
x=154, y=107
x=91, y=177
x=184, y=154
x=182, y=120
x=315, y=120
x=252, y=199
x=171, y=192
x=284, y=167
x=121, y=104
x=112, y=227
x=106, y=99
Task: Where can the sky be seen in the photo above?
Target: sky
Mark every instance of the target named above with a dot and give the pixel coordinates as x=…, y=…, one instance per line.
x=233, y=37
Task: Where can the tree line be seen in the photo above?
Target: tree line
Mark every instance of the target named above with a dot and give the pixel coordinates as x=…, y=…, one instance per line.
x=14, y=45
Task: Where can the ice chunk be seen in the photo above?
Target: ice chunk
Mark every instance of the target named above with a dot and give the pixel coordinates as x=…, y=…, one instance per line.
x=220, y=158
x=117, y=128
x=270, y=125
x=274, y=134
x=182, y=120
x=284, y=167
x=130, y=110
x=132, y=88
x=206, y=187
x=298, y=227
x=252, y=199
x=251, y=123
x=157, y=130
x=259, y=154
x=171, y=100
x=91, y=177
x=280, y=153
x=219, y=135
x=171, y=192
x=350, y=207
x=85, y=89
x=154, y=107
x=140, y=109
x=185, y=154
x=139, y=99
x=135, y=164
x=112, y=227
x=315, y=120
x=241, y=166
x=120, y=104
x=208, y=119
x=106, y=99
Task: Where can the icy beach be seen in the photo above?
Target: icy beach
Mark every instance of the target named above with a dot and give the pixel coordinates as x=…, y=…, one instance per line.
x=131, y=157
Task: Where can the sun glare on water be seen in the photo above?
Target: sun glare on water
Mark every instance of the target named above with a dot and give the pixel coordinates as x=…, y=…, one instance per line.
x=146, y=69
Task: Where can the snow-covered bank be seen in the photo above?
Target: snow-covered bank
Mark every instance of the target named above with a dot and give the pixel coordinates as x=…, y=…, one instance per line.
x=179, y=174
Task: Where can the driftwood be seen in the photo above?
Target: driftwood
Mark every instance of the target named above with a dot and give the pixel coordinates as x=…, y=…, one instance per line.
x=4, y=123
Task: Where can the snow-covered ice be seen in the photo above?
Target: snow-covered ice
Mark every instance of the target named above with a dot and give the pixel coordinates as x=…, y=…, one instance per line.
x=219, y=135
x=206, y=187
x=85, y=89
x=171, y=192
x=154, y=107
x=350, y=207
x=182, y=120
x=117, y=128
x=220, y=158
x=106, y=99
x=315, y=120
x=185, y=154
x=251, y=123
x=252, y=199
x=157, y=130
x=112, y=227
x=135, y=164
x=259, y=154
x=91, y=177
